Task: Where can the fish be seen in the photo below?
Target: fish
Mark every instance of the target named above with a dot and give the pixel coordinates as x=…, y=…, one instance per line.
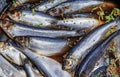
x=38, y=19
x=102, y=70
x=47, y=21
x=48, y=5
x=10, y=53
x=7, y=70
x=44, y=46
x=47, y=66
x=84, y=46
x=74, y=6
x=14, y=29
x=88, y=63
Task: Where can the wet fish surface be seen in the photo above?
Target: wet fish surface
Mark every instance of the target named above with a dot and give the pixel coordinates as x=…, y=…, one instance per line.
x=80, y=50
x=29, y=70
x=49, y=67
x=38, y=19
x=7, y=70
x=45, y=46
x=88, y=63
x=14, y=29
x=48, y=5
x=11, y=53
x=72, y=6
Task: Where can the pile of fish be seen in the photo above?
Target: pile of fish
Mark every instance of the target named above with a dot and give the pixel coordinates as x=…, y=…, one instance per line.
x=56, y=38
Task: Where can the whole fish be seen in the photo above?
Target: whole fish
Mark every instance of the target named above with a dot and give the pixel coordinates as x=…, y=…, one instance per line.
x=48, y=67
x=38, y=19
x=45, y=46
x=88, y=63
x=7, y=70
x=73, y=6
x=48, y=5
x=80, y=50
x=47, y=21
x=14, y=29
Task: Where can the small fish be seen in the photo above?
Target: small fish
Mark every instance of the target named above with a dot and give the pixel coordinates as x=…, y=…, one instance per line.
x=88, y=63
x=48, y=5
x=72, y=6
x=7, y=70
x=14, y=29
x=84, y=46
x=38, y=19
x=11, y=53
x=45, y=46
x=47, y=66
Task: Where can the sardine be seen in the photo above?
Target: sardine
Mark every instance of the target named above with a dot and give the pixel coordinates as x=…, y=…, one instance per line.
x=48, y=5
x=14, y=29
x=45, y=46
x=7, y=70
x=48, y=67
x=47, y=21
x=73, y=6
x=38, y=19
x=88, y=63
x=80, y=50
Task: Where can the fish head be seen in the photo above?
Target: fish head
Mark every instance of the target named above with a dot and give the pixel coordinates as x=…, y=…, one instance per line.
x=15, y=15
x=70, y=64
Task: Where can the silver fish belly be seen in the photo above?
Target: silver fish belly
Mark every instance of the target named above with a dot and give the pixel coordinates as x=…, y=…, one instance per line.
x=46, y=46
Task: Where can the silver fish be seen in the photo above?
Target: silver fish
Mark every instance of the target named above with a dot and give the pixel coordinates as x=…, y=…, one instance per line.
x=38, y=19
x=14, y=29
x=72, y=6
x=49, y=67
x=48, y=5
x=45, y=46
x=84, y=46
x=88, y=63
x=7, y=70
